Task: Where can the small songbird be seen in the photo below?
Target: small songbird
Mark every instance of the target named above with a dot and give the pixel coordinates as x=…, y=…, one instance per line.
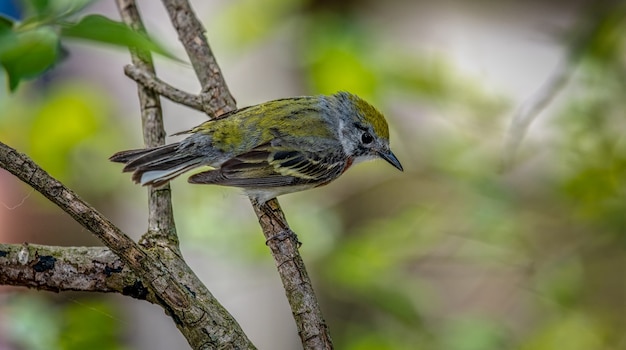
x=273, y=148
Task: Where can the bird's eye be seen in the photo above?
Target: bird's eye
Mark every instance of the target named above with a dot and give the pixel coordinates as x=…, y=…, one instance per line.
x=366, y=138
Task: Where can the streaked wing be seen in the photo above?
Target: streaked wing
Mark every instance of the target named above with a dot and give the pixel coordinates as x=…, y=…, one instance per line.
x=267, y=166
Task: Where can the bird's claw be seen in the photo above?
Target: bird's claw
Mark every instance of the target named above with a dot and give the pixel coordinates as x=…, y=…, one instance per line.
x=283, y=235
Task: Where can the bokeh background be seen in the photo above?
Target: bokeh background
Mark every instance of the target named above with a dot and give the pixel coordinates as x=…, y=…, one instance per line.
x=477, y=245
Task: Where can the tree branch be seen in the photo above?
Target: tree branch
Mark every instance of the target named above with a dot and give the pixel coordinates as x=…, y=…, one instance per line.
x=529, y=111
x=197, y=314
x=215, y=328
x=150, y=81
x=302, y=300
x=88, y=269
x=284, y=244
x=30, y=173
x=215, y=95
x=161, y=226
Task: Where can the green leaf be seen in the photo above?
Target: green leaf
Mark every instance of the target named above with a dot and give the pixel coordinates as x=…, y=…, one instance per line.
x=28, y=54
x=64, y=8
x=6, y=24
x=53, y=11
x=104, y=30
x=40, y=7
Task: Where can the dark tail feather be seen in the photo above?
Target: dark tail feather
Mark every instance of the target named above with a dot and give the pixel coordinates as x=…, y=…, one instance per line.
x=127, y=156
x=156, y=166
x=139, y=159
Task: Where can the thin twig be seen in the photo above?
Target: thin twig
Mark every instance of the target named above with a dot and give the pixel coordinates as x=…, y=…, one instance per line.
x=530, y=110
x=284, y=244
x=161, y=226
x=157, y=85
x=215, y=94
x=584, y=34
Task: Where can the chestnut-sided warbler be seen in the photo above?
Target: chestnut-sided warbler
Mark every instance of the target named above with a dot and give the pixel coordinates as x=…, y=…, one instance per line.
x=273, y=148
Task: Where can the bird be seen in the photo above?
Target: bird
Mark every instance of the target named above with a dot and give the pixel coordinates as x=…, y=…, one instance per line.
x=273, y=148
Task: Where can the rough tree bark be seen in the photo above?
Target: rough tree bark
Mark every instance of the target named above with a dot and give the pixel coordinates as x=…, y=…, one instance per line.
x=153, y=269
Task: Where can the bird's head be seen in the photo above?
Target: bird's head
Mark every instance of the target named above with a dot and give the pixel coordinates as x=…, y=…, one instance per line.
x=363, y=132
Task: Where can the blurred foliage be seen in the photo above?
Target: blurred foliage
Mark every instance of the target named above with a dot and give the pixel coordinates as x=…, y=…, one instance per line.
x=255, y=20
x=90, y=324
x=64, y=130
x=27, y=313
x=33, y=322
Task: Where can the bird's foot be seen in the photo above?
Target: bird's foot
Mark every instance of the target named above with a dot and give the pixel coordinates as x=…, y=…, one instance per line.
x=283, y=235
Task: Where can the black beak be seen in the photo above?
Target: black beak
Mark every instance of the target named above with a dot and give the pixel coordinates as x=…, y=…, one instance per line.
x=391, y=159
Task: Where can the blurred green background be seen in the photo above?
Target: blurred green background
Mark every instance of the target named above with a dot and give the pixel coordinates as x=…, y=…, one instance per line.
x=473, y=247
